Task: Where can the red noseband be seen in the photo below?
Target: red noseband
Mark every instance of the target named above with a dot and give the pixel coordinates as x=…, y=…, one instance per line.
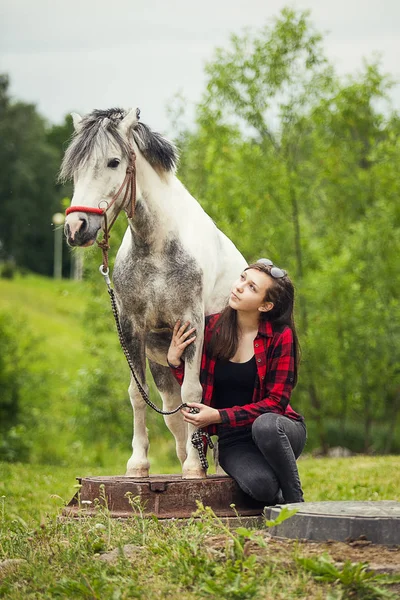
x=85, y=209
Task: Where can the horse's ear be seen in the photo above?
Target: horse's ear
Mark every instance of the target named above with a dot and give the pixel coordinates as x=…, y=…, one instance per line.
x=77, y=121
x=129, y=121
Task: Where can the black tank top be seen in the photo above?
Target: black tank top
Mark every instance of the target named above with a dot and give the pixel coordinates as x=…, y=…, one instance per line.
x=234, y=383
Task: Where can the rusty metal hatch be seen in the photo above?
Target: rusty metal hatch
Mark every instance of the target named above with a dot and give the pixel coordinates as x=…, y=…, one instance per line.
x=165, y=496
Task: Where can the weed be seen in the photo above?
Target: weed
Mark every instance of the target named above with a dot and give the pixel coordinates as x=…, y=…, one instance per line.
x=354, y=578
x=97, y=586
x=236, y=580
x=138, y=514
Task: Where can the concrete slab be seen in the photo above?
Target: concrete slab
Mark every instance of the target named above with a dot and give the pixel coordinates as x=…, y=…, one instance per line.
x=378, y=522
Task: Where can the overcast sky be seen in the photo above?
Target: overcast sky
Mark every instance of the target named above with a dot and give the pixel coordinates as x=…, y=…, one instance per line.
x=66, y=55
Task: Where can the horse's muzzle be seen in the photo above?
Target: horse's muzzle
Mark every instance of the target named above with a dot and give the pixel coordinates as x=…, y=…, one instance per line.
x=81, y=229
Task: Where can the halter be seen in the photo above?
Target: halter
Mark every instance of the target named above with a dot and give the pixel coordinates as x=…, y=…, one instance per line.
x=128, y=204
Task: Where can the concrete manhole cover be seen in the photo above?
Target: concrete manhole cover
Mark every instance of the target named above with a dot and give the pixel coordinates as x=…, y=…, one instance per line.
x=378, y=522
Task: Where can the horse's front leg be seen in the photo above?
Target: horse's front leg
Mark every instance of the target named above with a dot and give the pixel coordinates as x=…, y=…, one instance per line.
x=192, y=392
x=170, y=393
x=138, y=465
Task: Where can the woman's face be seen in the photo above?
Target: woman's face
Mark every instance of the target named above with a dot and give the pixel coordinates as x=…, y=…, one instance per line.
x=249, y=291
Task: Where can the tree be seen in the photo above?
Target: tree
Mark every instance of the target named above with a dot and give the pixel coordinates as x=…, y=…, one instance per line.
x=298, y=165
x=29, y=195
x=276, y=74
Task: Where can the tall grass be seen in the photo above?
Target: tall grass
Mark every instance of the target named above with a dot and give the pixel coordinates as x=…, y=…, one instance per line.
x=101, y=558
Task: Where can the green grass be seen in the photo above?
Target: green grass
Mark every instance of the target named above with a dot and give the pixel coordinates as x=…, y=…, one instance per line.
x=203, y=559
x=355, y=478
x=34, y=491
x=53, y=311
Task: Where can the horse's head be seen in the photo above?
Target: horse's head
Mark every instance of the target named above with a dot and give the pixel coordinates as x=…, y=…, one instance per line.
x=97, y=160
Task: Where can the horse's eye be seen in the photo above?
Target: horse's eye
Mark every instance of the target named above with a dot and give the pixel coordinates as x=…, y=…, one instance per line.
x=113, y=163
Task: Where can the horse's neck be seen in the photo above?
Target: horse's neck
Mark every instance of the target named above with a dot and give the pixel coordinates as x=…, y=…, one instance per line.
x=164, y=207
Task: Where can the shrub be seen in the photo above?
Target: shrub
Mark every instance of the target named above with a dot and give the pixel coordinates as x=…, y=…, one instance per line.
x=7, y=270
x=18, y=351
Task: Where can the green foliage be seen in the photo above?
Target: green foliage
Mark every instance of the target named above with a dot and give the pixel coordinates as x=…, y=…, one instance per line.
x=284, y=514
x=7, y=269
x=79, y=378
x=350, y=434
x=355, y=578
x=101, y=398
x=30, y=154
x=18, y=382
x=291, y=162
x=298, y=165
x=279, y=68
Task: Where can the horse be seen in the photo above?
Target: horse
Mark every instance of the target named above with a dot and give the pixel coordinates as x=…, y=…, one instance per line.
x=173, y=262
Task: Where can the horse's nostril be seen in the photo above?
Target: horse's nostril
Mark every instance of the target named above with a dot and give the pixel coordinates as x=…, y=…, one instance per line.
x=84, y=225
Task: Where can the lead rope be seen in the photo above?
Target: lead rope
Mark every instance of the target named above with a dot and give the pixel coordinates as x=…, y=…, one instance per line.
x=199, y=435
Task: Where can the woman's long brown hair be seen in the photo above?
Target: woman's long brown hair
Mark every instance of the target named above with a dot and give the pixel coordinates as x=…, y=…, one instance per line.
x=225, y=339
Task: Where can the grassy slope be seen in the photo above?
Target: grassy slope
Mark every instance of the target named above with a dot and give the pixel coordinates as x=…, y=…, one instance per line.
x=53, y=310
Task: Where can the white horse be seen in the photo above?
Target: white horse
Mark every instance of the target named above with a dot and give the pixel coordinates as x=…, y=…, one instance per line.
x=173, y=263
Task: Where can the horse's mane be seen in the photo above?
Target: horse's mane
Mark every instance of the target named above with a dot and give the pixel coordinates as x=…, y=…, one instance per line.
x=100, y=127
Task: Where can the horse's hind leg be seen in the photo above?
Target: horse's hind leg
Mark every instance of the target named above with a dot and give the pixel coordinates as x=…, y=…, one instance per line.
x=170, y=393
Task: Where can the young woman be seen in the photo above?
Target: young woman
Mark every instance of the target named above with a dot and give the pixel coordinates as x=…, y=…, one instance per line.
x=248, y=370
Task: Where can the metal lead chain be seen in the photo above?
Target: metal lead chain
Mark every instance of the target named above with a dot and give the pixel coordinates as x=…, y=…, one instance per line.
x=199, y=434
x=197, y=441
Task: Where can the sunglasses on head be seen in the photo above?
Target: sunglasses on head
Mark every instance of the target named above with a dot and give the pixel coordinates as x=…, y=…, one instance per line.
x=275, y=272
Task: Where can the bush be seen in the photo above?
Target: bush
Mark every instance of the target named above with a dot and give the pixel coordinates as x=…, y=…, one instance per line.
x=18, y=351
x=8, y=270
x=15, y=445
x=352, y=436
x=103, y=418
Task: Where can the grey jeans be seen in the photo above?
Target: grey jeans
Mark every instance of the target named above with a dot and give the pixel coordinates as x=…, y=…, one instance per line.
x=262, y=458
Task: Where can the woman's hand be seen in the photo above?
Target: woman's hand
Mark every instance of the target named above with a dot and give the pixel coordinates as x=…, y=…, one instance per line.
x=179, y=342
x=205, y=416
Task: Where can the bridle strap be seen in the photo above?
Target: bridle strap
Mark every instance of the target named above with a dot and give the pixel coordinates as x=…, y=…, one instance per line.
x=129, y=200
x=129, y=183
x=128, y=204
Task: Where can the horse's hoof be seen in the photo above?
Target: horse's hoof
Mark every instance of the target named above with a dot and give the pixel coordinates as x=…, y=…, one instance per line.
x=137, y=473
x=198, y=474
x=219, y=471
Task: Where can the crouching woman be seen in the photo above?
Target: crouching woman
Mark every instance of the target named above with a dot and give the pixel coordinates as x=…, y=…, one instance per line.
x=248, y=371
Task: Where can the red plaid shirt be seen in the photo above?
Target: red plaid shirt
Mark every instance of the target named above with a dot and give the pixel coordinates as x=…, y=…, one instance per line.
x=274, y=353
